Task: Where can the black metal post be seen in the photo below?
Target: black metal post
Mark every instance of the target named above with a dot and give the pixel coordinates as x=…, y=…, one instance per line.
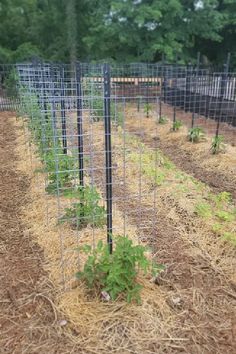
x=44, y=95
x=174, y=86
x=80, y=124
x=222, y=92
x=63, y=113
x=107, y=121
x=195, y=89
x=161, y=83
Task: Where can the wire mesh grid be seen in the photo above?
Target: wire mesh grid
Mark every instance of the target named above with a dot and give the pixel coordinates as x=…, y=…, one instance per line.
x=102, y=171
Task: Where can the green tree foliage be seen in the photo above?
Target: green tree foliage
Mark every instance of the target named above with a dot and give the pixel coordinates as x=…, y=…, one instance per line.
x=120, y=30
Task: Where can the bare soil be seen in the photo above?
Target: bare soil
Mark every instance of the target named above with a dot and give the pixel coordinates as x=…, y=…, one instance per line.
x=28, y=317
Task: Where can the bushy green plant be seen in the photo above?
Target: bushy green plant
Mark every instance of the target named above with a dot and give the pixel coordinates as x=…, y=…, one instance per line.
x=116, y=273
x=217, y=144
x=195, y=134
x=177, y=125
x=87, y=210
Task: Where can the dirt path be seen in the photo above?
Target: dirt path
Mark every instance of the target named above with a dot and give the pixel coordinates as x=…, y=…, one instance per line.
x=28, y=318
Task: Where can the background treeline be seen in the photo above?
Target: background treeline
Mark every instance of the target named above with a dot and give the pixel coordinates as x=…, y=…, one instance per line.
x=118, y=30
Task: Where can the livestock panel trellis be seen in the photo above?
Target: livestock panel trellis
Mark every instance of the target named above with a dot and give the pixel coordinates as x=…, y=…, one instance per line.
x=87, y=121
x=95, y=167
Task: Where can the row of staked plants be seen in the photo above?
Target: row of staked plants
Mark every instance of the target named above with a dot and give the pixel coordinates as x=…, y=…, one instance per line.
x=113, y=274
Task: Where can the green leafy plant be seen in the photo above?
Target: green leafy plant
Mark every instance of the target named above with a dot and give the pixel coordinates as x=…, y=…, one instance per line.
x=59, y=168
x=177, y=125
x=87, y=211
x=217, y=144
x=162, y=120
x=147, y=109
x=203, y=210
x=116, y=273
x=195, y=134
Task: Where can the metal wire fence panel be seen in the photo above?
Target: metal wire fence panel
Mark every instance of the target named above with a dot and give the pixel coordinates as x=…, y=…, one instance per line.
x=8, y=88
x=88, y=124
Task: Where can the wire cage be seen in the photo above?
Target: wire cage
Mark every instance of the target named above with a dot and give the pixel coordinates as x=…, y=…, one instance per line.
x=102, y=170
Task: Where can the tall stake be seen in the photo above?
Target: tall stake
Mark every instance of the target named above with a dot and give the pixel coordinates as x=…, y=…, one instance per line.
x=107, y=121
x=222, y=92
x=195, y=88
x=80, y=124
x=63, y=113
x=161, y=89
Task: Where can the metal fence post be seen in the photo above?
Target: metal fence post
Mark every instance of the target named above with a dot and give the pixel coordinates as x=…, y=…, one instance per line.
x=223, y=85
x=80, y=124
x=195, y=89
x=63, y=113
x=107, y=121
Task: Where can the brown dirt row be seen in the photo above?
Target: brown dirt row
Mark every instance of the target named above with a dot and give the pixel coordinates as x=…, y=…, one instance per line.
x=28, y=317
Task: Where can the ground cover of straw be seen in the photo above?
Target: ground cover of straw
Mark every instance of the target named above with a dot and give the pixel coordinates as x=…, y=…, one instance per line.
x=94, y=326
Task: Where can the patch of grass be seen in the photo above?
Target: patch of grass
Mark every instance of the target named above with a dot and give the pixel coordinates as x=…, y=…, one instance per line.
x=204, y=210
x=229, y=237
x=225, y=216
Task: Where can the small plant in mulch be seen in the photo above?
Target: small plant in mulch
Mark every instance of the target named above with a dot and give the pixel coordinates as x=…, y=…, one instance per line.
x=162, y=120
x=196, y=134
x=87, y=210
x=217, y=144
x=115, y=275
x=177, y=125
x=147, y=109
